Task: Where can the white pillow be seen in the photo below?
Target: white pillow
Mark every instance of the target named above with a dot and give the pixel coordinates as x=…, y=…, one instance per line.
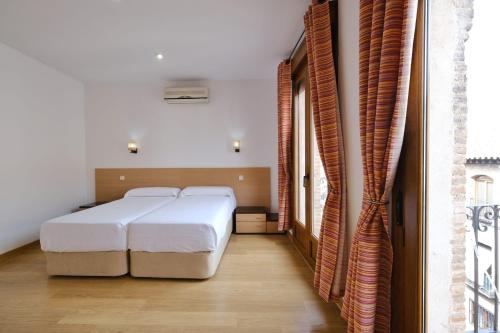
x=225, y=191
x=153, y=192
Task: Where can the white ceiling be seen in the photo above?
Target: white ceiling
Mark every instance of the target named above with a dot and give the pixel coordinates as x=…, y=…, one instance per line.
x=117, y=40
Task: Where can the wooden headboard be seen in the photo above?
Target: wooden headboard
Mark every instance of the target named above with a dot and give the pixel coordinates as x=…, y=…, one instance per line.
x=253, y=190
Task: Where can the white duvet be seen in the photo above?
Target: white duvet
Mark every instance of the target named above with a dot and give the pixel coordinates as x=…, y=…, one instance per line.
x=190, y=224
x=102, y=228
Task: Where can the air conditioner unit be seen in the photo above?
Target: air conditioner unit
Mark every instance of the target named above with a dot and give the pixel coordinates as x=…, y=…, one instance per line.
x=186, y=95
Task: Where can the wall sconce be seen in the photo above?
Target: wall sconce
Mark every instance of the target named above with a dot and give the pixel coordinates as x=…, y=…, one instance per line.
x=236, y=146
x=132, y=147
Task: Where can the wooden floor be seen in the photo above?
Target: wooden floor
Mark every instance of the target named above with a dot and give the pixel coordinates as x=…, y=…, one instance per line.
x=262, y=285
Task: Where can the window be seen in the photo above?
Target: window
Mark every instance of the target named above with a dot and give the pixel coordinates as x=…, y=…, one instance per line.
x=487, y=286
x=486, y=318
x=482, y=190
x=300, y=152
x=304, y=172
x=320, y=186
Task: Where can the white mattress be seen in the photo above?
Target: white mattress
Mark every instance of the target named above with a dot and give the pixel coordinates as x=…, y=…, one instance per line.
x=190, y=224
x=102, y=228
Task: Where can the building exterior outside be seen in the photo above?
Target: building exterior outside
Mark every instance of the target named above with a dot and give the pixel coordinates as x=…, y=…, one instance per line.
x=482, y=199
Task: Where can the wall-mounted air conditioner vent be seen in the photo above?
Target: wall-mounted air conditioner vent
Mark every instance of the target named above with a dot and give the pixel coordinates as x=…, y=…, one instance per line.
x=186, y=95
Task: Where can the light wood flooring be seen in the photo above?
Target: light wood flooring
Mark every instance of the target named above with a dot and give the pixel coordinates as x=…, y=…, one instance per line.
x=262, y=285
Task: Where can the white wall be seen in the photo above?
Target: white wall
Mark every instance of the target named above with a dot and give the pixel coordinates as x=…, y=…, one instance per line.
x=191, y=135
x=349, y=105
x=42, y=147
x=440, y=154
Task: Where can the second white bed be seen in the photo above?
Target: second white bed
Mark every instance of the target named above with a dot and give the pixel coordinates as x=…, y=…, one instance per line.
x=190, y=224
x=191, y=231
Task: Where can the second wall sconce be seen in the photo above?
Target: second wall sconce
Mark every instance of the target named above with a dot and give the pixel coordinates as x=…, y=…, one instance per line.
x=236, y=146
x=132, y=147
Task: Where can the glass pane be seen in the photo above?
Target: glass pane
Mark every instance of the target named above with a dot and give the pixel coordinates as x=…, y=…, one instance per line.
x=483, y=191
x=320, y=186
x=300, y=153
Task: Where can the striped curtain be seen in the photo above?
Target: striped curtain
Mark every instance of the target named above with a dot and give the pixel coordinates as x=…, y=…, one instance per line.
x=386, y=31
x=284, y=144
x=327, y=124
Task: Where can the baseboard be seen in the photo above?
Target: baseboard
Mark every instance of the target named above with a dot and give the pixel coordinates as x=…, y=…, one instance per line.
x=337, y=302
x=18, y=250
x=290, y=237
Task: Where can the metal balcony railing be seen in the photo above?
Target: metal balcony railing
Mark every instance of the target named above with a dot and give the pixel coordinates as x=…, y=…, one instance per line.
x=484, y=221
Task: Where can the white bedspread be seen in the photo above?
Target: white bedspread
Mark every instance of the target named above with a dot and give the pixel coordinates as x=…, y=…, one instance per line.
x=102, y=228
x=190, y=224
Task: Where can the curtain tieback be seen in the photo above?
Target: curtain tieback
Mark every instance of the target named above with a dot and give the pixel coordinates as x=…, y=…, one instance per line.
x=331, y=189
x=375, y=202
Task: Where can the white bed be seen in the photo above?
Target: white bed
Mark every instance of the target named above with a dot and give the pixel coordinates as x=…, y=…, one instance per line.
x=94, y=241
x=184, y=239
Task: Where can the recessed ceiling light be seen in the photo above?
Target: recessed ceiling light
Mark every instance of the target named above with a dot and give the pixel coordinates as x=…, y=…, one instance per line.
x=159, y=56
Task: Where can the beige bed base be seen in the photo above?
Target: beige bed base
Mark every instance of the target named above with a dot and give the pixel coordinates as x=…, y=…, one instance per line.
x=197, y=265
x=112, y=263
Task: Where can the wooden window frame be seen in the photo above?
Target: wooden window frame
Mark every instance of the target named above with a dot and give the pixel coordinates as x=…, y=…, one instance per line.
x=407, y=218
x=302, y=235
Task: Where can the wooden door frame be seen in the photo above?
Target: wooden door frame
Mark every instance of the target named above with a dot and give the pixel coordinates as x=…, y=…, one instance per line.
x=299, y=63
x=410, y=247
x=302, y=233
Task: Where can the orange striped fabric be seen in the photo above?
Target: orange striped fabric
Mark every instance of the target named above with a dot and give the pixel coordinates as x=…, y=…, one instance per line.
x=386, y=34
x=284, y=144
x=330, y=268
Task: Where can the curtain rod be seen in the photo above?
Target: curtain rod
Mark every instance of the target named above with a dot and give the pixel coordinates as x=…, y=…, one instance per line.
x=302, y=34
x=296, y=45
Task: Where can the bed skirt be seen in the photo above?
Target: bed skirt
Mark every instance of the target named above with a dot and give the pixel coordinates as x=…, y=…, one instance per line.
x=112, y=263
x=195, y=265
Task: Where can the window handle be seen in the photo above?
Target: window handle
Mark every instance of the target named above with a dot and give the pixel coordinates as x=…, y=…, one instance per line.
x=400, y=215
x=399, y=209
x=305, y=180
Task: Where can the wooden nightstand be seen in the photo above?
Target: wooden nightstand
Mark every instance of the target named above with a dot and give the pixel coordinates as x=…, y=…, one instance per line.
x=250, y=220
x=87, y=206
x=272, y=224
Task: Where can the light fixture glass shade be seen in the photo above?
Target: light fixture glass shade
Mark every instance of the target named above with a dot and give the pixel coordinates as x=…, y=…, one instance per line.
x=236, y=146
x=132, y=147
